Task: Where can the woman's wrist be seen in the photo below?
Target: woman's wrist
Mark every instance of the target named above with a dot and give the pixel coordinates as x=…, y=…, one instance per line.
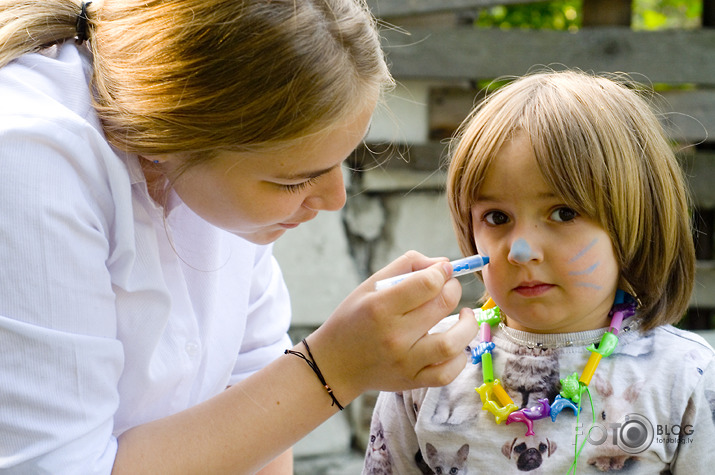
x=313, y=365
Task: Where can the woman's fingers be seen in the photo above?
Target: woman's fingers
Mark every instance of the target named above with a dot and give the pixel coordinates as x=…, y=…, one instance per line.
x=411, y=261
x=381, y=340
x=442, y=356
x=420, y=288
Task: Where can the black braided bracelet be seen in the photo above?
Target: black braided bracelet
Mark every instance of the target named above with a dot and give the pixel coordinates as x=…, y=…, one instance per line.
x=314, y=366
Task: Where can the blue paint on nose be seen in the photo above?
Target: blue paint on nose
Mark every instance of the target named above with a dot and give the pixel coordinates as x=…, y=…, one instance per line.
x=520, y=251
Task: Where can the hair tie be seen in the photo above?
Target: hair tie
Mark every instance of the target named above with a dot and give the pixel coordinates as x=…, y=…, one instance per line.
x=81, y=24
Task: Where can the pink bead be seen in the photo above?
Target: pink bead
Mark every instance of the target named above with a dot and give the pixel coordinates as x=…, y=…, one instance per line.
x=486, y=332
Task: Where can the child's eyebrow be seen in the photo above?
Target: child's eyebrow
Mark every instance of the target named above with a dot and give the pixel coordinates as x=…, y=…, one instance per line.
x=544, y=196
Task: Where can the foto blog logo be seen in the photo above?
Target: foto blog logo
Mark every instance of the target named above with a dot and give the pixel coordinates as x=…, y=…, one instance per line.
x=634, y=433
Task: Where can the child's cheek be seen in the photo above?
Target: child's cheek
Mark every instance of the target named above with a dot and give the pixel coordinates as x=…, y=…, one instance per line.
x=488, y=276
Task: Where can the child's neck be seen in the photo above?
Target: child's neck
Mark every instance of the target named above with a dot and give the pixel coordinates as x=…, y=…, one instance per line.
x=568, y=328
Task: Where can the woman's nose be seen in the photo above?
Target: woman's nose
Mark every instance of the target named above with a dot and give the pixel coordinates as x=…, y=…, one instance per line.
x=521, y=252
x=329, y=194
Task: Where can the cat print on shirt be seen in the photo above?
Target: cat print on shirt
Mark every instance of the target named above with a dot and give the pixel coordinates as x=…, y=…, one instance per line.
x=532, y=374
x=443, y=462
x=377, y=458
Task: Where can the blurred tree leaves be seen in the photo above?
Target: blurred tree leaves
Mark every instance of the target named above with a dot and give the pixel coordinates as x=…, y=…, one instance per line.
x=566, y=15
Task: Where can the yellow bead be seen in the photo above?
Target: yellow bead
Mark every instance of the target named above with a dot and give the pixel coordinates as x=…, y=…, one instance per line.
x=590, y=368
x=501, y=394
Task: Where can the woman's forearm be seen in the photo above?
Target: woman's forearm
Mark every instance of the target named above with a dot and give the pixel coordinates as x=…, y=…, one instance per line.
x=238, y=431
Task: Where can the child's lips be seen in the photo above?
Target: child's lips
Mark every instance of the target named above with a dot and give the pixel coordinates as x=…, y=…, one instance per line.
x=532, y=288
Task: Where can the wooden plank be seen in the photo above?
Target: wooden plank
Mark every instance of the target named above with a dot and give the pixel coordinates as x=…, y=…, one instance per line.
x=689, y=116
x=700, y=169
x=401, y=8
x=704, y=292
x=672, y=56
x=606, y=12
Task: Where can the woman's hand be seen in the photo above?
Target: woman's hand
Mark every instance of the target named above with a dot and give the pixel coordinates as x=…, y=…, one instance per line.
x=380, y=340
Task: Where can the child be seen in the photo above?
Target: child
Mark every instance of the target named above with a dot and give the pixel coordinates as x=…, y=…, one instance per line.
x=566, y=181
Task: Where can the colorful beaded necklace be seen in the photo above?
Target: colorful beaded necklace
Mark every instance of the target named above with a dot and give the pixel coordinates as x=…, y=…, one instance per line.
x=495, y=398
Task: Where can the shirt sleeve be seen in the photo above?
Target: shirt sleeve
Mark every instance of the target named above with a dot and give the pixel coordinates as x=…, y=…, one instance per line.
x=696, y=432
x=60, y=359
x=268, y=318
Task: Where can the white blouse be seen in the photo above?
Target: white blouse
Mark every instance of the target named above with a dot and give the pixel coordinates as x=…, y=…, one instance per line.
x=111, y=315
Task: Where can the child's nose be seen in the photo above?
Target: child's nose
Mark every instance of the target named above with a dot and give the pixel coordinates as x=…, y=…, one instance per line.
x=522, y=252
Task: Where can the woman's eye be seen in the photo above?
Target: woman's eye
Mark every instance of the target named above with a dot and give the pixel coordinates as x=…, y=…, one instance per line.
x=564, y=214
x=495, y=218
x=295, y=188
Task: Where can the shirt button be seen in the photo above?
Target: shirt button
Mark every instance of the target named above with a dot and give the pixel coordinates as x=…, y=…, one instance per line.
x=192, y=348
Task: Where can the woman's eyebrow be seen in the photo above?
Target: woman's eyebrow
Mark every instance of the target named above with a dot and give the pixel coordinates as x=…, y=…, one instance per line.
x=309, y=174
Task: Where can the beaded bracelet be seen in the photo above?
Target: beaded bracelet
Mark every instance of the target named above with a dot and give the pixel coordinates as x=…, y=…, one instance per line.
x=314, y=366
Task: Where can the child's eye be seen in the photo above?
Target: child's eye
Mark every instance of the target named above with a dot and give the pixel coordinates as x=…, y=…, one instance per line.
x=564, y=214
x=495, y=218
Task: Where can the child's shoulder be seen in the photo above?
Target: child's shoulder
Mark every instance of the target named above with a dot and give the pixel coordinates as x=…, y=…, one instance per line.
x=672, y=349
x=683, y=341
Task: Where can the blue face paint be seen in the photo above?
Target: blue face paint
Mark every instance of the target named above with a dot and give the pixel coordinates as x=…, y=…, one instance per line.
x=520, y=251
x=584, y=250
x=587, y=271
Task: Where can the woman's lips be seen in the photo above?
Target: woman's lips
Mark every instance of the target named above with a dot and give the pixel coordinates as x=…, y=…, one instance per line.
x=300, y=221
x=532, y=289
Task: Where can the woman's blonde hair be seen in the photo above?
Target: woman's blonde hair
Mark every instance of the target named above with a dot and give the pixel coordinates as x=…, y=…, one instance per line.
x=601, y=148
x=199, y=76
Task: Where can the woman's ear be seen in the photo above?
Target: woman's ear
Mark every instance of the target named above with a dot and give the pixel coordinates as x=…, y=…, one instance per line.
x=156, y=159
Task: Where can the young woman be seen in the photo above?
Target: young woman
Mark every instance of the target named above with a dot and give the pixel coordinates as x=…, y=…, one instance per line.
x=150, y=152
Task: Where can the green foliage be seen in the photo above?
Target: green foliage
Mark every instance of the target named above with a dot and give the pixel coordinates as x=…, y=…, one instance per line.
x=662, y=14
x=554, y=15
x=566, y=15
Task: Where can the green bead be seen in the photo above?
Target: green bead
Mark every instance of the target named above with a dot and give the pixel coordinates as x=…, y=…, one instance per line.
x=606, y=345
x=487, y=369
x=491, y=315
